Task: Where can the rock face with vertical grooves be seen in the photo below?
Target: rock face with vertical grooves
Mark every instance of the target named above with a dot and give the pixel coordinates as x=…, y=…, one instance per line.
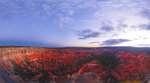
x=19, y=64
x=10, y=53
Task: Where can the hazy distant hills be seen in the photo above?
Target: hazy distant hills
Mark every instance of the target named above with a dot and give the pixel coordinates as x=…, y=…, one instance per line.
x=131, y=49
x=121, y=48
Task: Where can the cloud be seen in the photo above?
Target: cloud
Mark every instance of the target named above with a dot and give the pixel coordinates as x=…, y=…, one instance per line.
x=87, y=33
x=60, y=10
x=106, y=28
x=114, y=41
x=105, y=9
x=94, y=42
x=146, y=13
x=144, y=45
x=118, y=16
x=70, y=12
x=126, y=11
x=145, y=26
x=87, y=3
x=65, y=19
x=45, y=8
x=122, y=25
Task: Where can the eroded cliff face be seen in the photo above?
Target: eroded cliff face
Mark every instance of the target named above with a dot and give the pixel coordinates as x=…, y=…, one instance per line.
x=41, y=65
x=9, y=54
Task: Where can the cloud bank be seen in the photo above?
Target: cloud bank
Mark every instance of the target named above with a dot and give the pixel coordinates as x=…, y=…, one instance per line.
x=114, y=41
x=85, y=34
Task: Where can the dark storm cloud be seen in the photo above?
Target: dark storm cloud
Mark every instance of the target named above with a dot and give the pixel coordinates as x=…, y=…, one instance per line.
x=106, y=28
x=114, y=41
x=87, y=33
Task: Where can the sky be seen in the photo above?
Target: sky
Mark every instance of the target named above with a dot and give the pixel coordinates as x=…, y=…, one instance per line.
x=75, y=23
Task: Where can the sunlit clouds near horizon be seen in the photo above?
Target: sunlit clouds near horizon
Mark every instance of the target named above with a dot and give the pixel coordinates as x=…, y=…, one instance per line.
x=68, y=23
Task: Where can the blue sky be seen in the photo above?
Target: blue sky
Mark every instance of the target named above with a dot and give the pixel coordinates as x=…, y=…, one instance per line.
x=63, y=23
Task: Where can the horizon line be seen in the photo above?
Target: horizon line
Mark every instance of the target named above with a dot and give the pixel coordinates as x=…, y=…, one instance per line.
x=74, y=46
